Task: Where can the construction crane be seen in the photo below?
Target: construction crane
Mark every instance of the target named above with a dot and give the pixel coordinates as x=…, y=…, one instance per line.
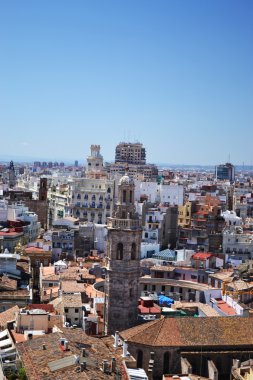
x=234, y=293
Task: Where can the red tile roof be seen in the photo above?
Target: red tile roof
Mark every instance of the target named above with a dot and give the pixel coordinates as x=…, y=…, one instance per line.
x=223, y=306
x=34, y=249
x=201, y=256
x=47, y=307
x=8, y=316
x=190, y=332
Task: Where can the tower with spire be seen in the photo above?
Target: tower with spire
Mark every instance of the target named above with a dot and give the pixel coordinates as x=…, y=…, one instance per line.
x=123, y=261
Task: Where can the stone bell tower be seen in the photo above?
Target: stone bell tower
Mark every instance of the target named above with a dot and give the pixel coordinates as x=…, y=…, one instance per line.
x=123, y=261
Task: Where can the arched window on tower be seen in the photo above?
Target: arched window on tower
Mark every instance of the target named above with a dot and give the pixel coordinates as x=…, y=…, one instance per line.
x=124, y=196
x=133, y=251
x=131, y=196
x=119, y=253
x=166, y=362
x=139, y=359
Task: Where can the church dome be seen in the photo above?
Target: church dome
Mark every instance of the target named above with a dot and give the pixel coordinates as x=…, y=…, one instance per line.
x=126, y=180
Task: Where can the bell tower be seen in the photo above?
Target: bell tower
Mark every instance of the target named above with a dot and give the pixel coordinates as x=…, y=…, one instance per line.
x=123, y=261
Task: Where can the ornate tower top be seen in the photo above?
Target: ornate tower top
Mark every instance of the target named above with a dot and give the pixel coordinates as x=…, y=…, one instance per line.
x=124, y=216
x=95, y=160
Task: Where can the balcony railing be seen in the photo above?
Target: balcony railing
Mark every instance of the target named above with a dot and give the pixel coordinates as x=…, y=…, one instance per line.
x=129, y=224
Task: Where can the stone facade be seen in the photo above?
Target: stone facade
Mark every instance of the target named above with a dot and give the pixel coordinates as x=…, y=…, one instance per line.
x=123, y=261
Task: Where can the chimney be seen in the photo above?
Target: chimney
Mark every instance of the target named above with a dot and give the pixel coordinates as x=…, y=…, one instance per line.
x=83, y=366
x=82, y=352
x=105, y=366
x=236, y=363
x=66, y=345
x=116, y=339
x=125, y=346
x=113, y=365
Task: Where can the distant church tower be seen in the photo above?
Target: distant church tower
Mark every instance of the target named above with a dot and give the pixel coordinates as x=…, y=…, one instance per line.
x=43, y=189
x=123, y=261
x=12, y=175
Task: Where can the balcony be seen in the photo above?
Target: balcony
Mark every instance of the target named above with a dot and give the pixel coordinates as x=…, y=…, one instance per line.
x=128, y=224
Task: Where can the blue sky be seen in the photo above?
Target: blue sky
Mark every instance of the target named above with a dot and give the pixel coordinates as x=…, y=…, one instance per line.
x=174, y=75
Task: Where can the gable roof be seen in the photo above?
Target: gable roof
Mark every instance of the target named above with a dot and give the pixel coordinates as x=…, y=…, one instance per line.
x=8, y=316
x=188, y=332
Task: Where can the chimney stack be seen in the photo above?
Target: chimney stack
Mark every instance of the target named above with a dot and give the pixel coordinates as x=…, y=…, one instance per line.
x=116, y=339
x=83, y=366
x=83, y=352
x=113, y=365
x=105, y=366
x=125, y=346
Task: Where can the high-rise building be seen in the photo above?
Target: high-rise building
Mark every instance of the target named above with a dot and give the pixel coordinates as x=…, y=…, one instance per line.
x=131, y=153
x=225, y=172
x=123, y=261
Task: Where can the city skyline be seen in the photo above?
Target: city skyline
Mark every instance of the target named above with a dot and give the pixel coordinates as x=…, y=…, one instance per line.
x=175, y=76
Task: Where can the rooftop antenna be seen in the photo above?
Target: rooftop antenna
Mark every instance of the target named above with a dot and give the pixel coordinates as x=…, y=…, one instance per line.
x=229, y=157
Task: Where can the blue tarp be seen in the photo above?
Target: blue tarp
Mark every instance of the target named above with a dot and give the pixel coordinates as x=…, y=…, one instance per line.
x=163, y=300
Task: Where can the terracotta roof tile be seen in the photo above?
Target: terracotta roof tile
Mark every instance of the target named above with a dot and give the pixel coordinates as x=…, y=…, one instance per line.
x=8, y=316
x=188, y=332
x=36, y=360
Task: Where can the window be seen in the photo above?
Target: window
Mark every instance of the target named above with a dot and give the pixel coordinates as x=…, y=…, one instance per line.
x=153, y=288
x=76, y=310
x=119, y=252
x=163, y=288
x=139, y=359
x=133, y=251
x=131, y=196
x=124, y=196
x=66, y=310
x=166, y=362
x=193, y=277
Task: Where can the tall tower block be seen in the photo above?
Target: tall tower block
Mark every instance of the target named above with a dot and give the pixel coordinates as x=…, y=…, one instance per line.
x=123, y=261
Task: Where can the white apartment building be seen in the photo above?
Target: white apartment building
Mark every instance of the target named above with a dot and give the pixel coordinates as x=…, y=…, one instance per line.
x=237, y=244
x=59, y=201
x=159, y=193
x=153, y=219
x=18, y=211
x=231, y=218
x=92, y=199
x=149, y=249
